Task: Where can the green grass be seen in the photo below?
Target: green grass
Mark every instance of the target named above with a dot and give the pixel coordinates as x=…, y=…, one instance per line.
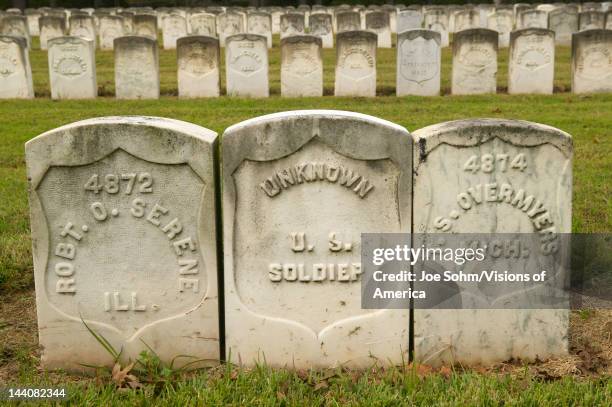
x=268, y=387
x=587, y=118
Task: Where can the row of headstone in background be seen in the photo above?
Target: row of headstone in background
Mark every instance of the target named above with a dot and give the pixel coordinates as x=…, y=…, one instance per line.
x=474, y=70
x=125, y=236
x=176, y=23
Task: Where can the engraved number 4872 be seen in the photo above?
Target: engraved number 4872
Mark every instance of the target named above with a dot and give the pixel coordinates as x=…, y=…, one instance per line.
x=111, y=183
x=489, y=163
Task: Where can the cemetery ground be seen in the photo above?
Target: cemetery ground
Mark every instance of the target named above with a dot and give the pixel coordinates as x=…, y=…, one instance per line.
x=582, y=378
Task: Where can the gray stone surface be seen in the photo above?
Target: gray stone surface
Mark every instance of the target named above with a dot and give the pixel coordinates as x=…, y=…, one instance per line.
x=379, y=22
x=418, y=63
x=145, y=25
x=409, y=20
x=83, y=26
x=532, y=19
x=203, y=24
x=501, y=21
x=229, y=23
x=437, y=20
x=246, y=66
x=301, y=66
x=111, y=27
x=136, y=68
x=51, y=27
x=123, y=233
x=355, y=63
x=174, y=26
x=531, y=66
x=198, y=66
x=592, y=61
x=474, y=62
x=15, y=26
x=510, y=159
x=343, y=173
x=72, y=68
x=15, y=69
x=292, y=24
x=321, y=26
x=564, y=22
x=591, y=20
x=348, y=21
x=260, y=24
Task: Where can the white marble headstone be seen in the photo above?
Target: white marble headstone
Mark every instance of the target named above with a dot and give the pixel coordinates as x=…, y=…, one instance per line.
x=418, y=63
x=321, y=26
x=203, y=24
x=136, y=68
x=409, y=20
x=145, y=25
x=198, y=66
x=122, y=213
x=437, y=20
x=301, y=66
x=501, y=21
x=111, y=27
x=474, y=62
x=564, y=22
x=355, y=63
x=246, y=65
x=15, y=70
x=260, y=24
x=229, y=23
x=299, y=188
x=531, y=66
x=292, y=24
x=51, y=27
x=72, y=68
x=518, y=165
x=174, y=27
x=378, y=22
x=592, y=61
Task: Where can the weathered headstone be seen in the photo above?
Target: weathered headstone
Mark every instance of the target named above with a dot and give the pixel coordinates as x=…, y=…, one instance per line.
x=474, y=62
x=203, y=24
x=418, y=63
x=15, y=69
x=348, y=21
x=524, y=172
x=122, y=212
x=592, y=61
x=564, y=22
x=111, y=27
x=128, y=21
x=409, y=20
x=174, y=27
x=355, y=63
x=33, y=16
x=301, y=66
x=15, y=26
x=136, y=68
x=278, y=265
x=50, y=27
x=466, y=19
x=260, y=24
x=229, y=23
x=145, y=25
x=321, y=26
x=591, y=20
x=198, y=66
x=83, y=26
x=378, y=22
x=532, y=19
x=437, y=20
x=292, y=24
x=531, y=66
x=246, y=66
x=72, y=68
x=609, y=20
x=501, y=21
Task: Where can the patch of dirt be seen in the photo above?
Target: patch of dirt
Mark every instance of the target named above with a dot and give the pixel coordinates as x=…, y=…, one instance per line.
x=18, y=333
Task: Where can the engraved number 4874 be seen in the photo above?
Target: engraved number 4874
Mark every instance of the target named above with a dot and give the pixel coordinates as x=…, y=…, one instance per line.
x=112, y=183
x=489, y=163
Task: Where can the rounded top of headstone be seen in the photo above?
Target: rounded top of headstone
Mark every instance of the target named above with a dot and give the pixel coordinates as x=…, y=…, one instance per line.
x=471, y=132
x=369, y=35
x=595, y=32
x=68, y=39
x=245, y=37
x=420, y=32
x=197, y=38
x=471, y=32
x=294, y=39
x=531, y=31
x=22, y=42
x=134, y=39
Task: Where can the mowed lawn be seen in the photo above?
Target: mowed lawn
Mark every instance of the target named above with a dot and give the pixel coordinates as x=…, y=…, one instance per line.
x=587, y=118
